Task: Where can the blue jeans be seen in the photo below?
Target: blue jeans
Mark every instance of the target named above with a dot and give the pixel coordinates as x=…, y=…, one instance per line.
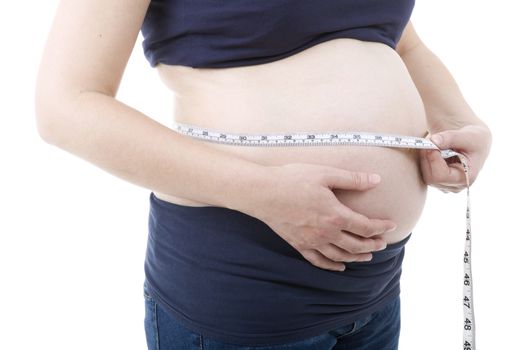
x=378, y=331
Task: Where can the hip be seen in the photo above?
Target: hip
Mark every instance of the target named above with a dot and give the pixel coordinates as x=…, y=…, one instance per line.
x=377, y=330
x=227, y=273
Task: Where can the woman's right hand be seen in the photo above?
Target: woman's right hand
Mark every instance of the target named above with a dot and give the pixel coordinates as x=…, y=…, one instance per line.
x=300, y=206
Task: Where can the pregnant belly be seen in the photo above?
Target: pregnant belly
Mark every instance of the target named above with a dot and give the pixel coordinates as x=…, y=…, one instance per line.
x=341, y=85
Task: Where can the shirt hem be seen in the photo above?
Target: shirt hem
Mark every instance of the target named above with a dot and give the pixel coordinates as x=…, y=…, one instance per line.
x=270, y=339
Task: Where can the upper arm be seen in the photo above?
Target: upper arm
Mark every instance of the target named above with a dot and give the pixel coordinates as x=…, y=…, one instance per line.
x=409, y=40
x=88, y=47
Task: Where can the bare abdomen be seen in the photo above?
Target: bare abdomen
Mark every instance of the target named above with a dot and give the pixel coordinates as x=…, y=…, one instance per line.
x=341, y=85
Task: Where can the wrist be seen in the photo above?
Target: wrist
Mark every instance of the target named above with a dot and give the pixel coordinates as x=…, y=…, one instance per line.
x=250, y=188
x=453, y=122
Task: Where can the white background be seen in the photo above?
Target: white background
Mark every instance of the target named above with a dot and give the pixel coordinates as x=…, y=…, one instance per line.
x=72, y=237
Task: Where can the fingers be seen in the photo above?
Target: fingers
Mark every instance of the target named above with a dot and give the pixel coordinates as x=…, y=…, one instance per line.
x=333, y=258
x=436, y=170
x=454, y=139
x=349, y=180
x=335, y=253
x=472, y=141
x=319, y=260
x=354, y=244
x=362, y=226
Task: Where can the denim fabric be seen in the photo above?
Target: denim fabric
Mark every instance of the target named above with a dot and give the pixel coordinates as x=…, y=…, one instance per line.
x=378, y=331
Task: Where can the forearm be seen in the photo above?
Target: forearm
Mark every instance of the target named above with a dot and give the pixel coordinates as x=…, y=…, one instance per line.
x=133, y=147
x=445, y=106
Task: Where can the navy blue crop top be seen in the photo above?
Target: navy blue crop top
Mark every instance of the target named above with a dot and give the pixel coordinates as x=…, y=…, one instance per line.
x=216, y=34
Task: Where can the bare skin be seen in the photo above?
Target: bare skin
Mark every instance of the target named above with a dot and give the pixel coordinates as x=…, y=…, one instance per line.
x=320, y=200
x=333, y=86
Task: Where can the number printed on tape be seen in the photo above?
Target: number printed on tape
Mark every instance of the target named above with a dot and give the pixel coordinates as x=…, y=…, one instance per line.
x=359, y=139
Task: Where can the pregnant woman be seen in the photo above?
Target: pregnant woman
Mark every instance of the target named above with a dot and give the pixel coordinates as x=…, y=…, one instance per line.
x=264, y=247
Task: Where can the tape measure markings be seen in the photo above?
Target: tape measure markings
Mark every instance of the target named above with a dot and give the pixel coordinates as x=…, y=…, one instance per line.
x=359, y=139
x=310, y=139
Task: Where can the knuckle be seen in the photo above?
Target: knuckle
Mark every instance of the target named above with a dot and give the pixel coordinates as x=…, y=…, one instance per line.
x=323, y=234
x=336, y=256
x=438, y=175
x=331, y=256
x=362, y=179
x=367, y=230
x=300, y=246
x=357, y=180
x=309, y=255
x=449, y=138
x=316, y=262
x=336, y=220
x=370, y=230
x=352, y=248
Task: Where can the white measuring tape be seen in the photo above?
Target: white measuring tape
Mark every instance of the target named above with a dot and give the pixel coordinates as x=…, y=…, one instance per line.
x=358, y=139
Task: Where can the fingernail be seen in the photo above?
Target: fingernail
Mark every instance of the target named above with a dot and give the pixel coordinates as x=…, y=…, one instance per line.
x=374, y=178
x=437, y=139
x=342, y=268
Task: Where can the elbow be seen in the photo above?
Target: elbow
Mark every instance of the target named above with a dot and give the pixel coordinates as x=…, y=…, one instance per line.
x=62, y=109
x=45, y=124
x=46, y=109
x=60, y=112
x=51, y=108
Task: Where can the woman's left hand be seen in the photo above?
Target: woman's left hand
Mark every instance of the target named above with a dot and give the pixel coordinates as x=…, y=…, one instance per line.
x=473, y=141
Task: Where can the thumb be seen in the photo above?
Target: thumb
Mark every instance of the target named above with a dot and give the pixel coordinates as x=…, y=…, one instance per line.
x=453, y=139
x=351, y=180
